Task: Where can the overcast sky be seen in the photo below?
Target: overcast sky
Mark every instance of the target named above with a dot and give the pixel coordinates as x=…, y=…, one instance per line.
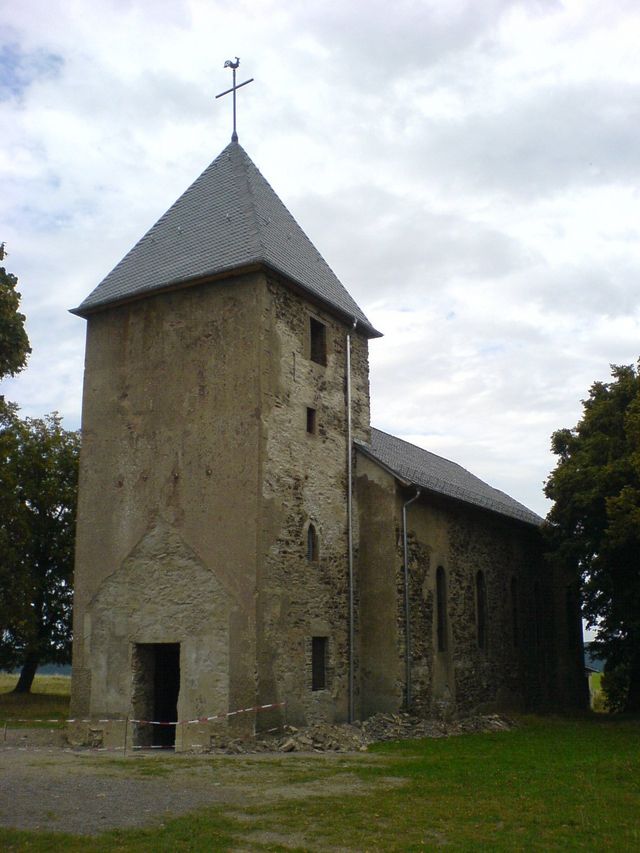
x=468, y=169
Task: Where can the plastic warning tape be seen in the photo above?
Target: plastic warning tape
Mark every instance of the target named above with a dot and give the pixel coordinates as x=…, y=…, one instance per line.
x=201, y=720
x=222, y=716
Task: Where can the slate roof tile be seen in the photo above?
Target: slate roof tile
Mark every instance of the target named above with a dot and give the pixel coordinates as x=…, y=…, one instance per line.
x=229, y=218
x=439, y=475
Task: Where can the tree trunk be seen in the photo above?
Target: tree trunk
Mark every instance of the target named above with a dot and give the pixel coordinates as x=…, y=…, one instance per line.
x=632, y=705
x=27, y=674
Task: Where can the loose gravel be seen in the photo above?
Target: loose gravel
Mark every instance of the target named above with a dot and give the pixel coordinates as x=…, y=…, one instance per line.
x=45, y=785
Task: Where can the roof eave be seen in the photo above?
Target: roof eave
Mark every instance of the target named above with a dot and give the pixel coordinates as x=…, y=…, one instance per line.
x=176, y=284
x=230, y=272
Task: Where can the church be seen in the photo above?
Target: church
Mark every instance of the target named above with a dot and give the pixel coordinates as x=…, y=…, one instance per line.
x=247, y=540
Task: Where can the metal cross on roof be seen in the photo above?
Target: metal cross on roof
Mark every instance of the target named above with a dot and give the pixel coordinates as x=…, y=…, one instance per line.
x=233, y=65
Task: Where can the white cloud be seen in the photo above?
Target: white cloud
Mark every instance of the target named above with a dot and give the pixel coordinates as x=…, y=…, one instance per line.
x=468, y=169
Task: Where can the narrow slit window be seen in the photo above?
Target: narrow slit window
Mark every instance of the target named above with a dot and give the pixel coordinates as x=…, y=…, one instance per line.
x=441, y=606
x=317, y=341
x=481, y=610
x=537, y=615
x=312, y=544
x=311, y=421
x=319, y=663
x=515, y=622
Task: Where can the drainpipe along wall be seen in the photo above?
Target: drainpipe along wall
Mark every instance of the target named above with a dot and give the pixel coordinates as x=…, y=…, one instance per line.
x=350, y=529
x=407, y=609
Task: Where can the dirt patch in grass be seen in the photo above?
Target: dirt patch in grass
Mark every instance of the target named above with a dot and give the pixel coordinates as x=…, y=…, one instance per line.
x=47, y=787
x=87, y=793
x=549, y=784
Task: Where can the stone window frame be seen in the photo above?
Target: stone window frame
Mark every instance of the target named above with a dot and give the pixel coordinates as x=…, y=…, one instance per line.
x=312, y=421
x=537, y=617
x=514, y=601
x=311, y=542
x=317, y=641
x=442, y=615
x=317, y=341
x=482, y=613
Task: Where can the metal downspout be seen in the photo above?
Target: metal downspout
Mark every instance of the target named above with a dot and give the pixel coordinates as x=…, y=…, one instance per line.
x=350, y=531
x=407, y=609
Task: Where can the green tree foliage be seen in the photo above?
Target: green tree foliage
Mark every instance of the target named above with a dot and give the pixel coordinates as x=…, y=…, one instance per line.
x=14, y=343
x=594, y=525
x=38, y=486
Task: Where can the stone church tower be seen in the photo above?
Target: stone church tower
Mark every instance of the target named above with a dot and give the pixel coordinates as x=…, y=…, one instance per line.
x=212, y=520
x=218, y=564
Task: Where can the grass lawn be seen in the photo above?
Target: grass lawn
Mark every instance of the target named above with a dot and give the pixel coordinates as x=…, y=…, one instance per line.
x=49, y=699
x=552, y=784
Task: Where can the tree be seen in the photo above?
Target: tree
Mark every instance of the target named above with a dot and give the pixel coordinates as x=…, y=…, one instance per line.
x=14, y=343
x=38, y=486
x=594, y=525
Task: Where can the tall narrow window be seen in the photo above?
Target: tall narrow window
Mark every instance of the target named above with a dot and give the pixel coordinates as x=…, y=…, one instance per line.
x=441, y=608
x=481, y=610
x=312, y=544
x=318, y=663
x=317, y=341
x=311, y=421
x=515, y=624
x=537, y=616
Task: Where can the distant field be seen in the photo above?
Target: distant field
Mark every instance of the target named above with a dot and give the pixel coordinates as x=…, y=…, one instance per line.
x=49, y=698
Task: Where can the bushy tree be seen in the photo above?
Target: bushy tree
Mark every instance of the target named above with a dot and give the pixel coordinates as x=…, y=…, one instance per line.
x=38, y=486
x=594, y=525
x=14, y=343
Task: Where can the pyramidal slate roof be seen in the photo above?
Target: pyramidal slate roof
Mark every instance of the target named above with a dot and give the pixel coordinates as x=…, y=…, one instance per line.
x=229, y=218
x=435, y=474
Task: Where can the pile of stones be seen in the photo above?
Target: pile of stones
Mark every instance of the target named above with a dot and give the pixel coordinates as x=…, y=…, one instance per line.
x=356, y=737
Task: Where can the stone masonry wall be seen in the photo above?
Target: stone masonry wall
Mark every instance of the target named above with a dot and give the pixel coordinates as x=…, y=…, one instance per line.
x=464, y=676
x=520, y=664
x=305, y=482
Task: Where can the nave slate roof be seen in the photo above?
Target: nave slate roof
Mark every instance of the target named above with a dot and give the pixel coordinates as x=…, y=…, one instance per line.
x=434, y=474
x=229, y=219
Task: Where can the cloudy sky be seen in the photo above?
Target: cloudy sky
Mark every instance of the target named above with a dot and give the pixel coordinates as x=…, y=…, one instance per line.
x=469, y=170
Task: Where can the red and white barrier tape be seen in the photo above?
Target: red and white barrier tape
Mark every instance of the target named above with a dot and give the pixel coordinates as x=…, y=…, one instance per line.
x=200, y=720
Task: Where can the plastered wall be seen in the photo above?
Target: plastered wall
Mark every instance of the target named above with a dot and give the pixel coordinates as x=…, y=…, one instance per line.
x=169, y=495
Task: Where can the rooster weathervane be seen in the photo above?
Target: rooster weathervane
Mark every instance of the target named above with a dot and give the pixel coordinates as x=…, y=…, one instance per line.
x=234, y=65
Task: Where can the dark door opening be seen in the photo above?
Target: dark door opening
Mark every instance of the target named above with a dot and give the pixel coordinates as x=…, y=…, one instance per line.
x=166, y=686
x=156, y=684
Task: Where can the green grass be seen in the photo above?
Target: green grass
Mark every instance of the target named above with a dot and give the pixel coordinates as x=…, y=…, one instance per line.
x=552, y=784
x=598, y=698
x=595, y=680
x=49, y=699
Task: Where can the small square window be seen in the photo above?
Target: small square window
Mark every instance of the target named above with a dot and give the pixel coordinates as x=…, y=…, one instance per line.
x=311, y=421
x=319, y=663
x=317, y=341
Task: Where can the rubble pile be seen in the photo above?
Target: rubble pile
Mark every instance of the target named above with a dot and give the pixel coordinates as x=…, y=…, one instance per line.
x=356, y=737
